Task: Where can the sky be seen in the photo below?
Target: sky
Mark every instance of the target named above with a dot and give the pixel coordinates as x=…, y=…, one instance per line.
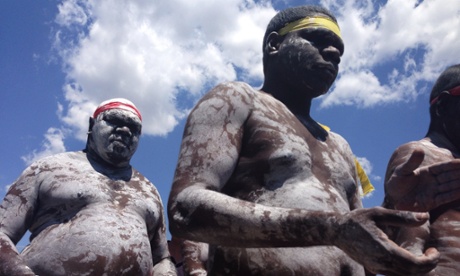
x=60, y=59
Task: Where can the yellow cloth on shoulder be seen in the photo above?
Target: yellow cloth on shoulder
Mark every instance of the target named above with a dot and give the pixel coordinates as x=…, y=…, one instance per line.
x=366, y=184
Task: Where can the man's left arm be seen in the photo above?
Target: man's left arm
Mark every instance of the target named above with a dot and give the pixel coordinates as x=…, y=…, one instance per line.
x=162, y=263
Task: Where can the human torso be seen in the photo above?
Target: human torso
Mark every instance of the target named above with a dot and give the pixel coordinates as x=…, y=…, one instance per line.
x=90, y=224
x=444, y=220
x=282, y=165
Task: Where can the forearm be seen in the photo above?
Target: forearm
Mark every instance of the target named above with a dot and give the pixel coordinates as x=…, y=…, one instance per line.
x=211, y=217
x=11, y=263
x=195, y=255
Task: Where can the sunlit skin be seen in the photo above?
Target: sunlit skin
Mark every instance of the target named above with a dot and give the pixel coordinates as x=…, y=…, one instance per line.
x=423, y=176
x=269, y=189
x=89, y=212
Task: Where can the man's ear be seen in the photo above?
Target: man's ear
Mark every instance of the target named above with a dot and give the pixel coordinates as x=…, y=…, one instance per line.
x=273, y=43
x=91, y=124
x=441, y=103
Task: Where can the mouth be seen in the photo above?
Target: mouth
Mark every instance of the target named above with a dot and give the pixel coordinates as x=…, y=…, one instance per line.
x=327, y=72
x=119, y=141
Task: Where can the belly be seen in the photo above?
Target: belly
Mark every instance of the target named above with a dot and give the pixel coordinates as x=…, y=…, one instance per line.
x=319, y=260
x=308, y=194
x=91, y=245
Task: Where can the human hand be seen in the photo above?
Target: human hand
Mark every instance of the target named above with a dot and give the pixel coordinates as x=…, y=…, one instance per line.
x=424, y=188
x=359, y=235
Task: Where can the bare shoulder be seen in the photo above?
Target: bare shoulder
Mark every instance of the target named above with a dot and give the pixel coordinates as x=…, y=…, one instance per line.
x=145, y=184
x=235, y=94
x=340, y=142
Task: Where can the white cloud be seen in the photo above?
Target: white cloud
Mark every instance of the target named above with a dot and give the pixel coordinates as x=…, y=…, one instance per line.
x=52, y=144
x=163, y=55
x=413, y=41
x=155, y=53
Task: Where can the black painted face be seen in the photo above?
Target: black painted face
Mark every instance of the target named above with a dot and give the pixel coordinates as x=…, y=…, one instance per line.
x=115, y=136
x=310, y=58
x=451, y=119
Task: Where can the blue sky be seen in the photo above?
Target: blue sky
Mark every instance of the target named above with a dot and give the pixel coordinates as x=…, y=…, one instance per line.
x=59, y=59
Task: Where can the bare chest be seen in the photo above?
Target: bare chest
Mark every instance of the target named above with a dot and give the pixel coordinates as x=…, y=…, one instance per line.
x=72, y=192
x=282, y=163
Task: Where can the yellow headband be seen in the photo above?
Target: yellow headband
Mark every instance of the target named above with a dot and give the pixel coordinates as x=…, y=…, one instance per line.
x=311, y=22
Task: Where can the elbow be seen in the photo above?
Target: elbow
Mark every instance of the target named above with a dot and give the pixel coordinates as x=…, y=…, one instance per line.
x=180, y=210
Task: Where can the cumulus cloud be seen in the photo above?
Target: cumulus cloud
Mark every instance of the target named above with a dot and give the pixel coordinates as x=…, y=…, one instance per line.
x=412, y=41
x=163, y=55
x=367, y=167
x=52, y=144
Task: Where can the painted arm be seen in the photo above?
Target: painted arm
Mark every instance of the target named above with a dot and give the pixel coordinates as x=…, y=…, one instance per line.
x=162, y=263
x=199, y=211
x=16, y=213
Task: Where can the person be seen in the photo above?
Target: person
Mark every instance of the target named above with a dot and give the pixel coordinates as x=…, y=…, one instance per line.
x=89, y=212
x=424, y=175
x=267, y=187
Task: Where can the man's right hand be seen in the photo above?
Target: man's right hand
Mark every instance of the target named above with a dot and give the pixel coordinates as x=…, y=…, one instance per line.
x=360, y=236
x=423, y=188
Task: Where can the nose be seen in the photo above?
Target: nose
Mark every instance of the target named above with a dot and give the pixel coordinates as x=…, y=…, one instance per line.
x=331, y=53
x=124, y=130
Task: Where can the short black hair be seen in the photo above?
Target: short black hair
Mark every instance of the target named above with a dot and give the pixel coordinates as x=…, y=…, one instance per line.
x=286, y=16
x=448, y=79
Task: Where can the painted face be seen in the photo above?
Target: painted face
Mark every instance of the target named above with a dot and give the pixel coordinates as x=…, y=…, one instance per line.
x=115, y=136
x=310, y=59
x=452, y=120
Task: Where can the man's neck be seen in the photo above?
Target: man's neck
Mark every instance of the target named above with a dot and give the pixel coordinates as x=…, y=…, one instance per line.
x=299, y=103
x=123, y=170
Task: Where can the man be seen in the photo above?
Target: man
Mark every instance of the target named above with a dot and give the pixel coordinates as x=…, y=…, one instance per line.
x=269, y=188
x=424, y=176
x=89, y=212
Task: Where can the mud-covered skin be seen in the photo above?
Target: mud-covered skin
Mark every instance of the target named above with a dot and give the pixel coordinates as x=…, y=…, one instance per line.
x=89, y=212
x=263, y=155
x=435, y=190
x=267, y=187
x=271, y=199
x=112, y=226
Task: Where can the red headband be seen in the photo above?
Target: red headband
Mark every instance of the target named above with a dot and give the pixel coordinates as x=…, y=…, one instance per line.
x=454, y=92
x=117, y=104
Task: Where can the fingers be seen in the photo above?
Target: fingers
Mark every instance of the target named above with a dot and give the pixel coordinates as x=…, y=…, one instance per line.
x=447, y=197
x=412, y=163
x=444, y=167
x=406, y=263
x=403, y=262
x=448, y=176
x=424, y=263
x=399, y=218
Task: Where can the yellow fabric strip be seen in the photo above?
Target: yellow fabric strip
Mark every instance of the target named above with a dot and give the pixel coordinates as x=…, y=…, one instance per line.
x=311, y=22
x=363, y=178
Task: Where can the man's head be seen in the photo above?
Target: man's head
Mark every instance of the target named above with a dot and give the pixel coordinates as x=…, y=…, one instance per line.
x=445, y=104
x=114, y=131
x=303, y=42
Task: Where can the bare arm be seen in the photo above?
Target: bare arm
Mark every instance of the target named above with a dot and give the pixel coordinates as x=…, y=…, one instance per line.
x=16, y=213
x=195, y=256
x=199, y=211
x=162, y=264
